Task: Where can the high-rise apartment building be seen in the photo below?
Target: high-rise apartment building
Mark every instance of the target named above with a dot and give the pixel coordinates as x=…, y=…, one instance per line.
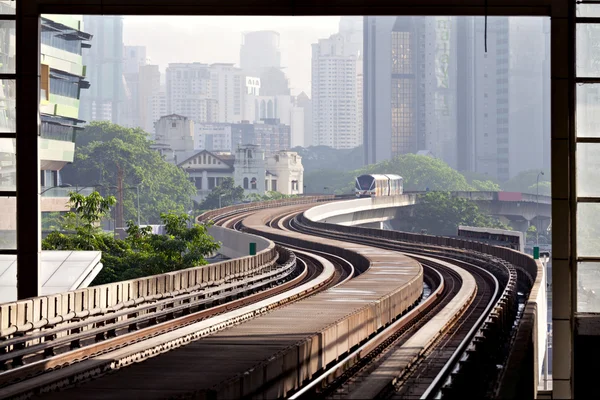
x=104, y=100
x=334, y=96
x=189, y=91
x=229, y=89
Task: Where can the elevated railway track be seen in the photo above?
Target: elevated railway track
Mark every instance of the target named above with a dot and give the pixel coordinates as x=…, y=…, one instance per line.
x=338, y=309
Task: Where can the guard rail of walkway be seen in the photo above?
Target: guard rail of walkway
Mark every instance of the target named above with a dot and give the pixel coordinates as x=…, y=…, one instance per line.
x=48, y=311
x=524, y=361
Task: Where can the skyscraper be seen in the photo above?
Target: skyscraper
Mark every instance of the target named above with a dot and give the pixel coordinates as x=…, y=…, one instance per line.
x=334, y=93
x=431, y=85
x=104, y=68
x=260, y=57
x=394, y=68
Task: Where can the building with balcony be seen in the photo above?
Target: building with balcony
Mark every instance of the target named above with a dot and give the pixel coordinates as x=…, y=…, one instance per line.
x=63, y=76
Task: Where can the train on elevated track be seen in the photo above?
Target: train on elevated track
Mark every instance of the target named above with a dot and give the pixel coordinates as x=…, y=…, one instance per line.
x=377, y=185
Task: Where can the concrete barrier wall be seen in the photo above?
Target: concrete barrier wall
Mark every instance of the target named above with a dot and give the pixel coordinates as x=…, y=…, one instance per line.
x=38, y=312
x=236, y=244
x=337, y=209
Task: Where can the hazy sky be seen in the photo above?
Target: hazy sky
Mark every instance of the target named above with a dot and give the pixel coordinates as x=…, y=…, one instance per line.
x=218, y=39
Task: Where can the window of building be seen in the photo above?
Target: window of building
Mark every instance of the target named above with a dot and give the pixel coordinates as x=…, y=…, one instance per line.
x=211, y=183
x=173, y=125
x=245, y=183
x=274, y=185
x=253, y=182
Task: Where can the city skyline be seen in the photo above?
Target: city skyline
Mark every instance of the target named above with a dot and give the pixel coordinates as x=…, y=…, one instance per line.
x=164, y=44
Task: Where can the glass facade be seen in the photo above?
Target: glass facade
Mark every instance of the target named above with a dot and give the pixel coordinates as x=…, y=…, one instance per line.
x=403, y=95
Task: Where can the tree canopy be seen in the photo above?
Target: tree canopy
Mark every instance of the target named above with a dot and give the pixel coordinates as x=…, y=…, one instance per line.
x=525, y=182
x=102, y=149
x=439, y=213
x=142, y=253
x=315, y=158
x=224, y=194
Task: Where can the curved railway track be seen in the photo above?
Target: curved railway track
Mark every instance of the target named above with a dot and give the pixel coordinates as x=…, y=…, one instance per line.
x=423, y=370
x=422, y=376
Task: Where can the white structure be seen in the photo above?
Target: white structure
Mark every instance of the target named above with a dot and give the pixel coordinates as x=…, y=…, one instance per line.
x=207, y=170
x=176, y=132
x=60, y=271
x=250, y=169
x=282, y=172
x=212, y=136
x=334, y=91
x=287, y=173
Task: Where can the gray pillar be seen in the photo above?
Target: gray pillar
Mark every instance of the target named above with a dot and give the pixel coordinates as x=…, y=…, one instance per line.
x=563, y=213
x=28, y=161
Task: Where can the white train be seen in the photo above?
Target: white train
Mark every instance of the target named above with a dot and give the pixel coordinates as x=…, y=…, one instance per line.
x=378, y=185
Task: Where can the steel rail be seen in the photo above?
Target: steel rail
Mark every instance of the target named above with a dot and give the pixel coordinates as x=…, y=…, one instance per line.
x=467, y=339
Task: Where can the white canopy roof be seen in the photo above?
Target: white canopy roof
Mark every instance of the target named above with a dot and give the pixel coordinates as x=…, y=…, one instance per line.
x=61, y=271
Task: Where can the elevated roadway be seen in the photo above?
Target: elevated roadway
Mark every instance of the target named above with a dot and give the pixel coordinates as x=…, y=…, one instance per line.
x=518, y=209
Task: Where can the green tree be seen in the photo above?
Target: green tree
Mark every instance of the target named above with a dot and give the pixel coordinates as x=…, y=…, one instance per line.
x=531, y=233
x=82, y=223
x=317, y=158
x=544, y=189
x=224, y=194
x=180, y=247
x=440, y=214
x=184, y=245
x=525, y=181
x=419, y=173
x=486, y=186
x=104, y=148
